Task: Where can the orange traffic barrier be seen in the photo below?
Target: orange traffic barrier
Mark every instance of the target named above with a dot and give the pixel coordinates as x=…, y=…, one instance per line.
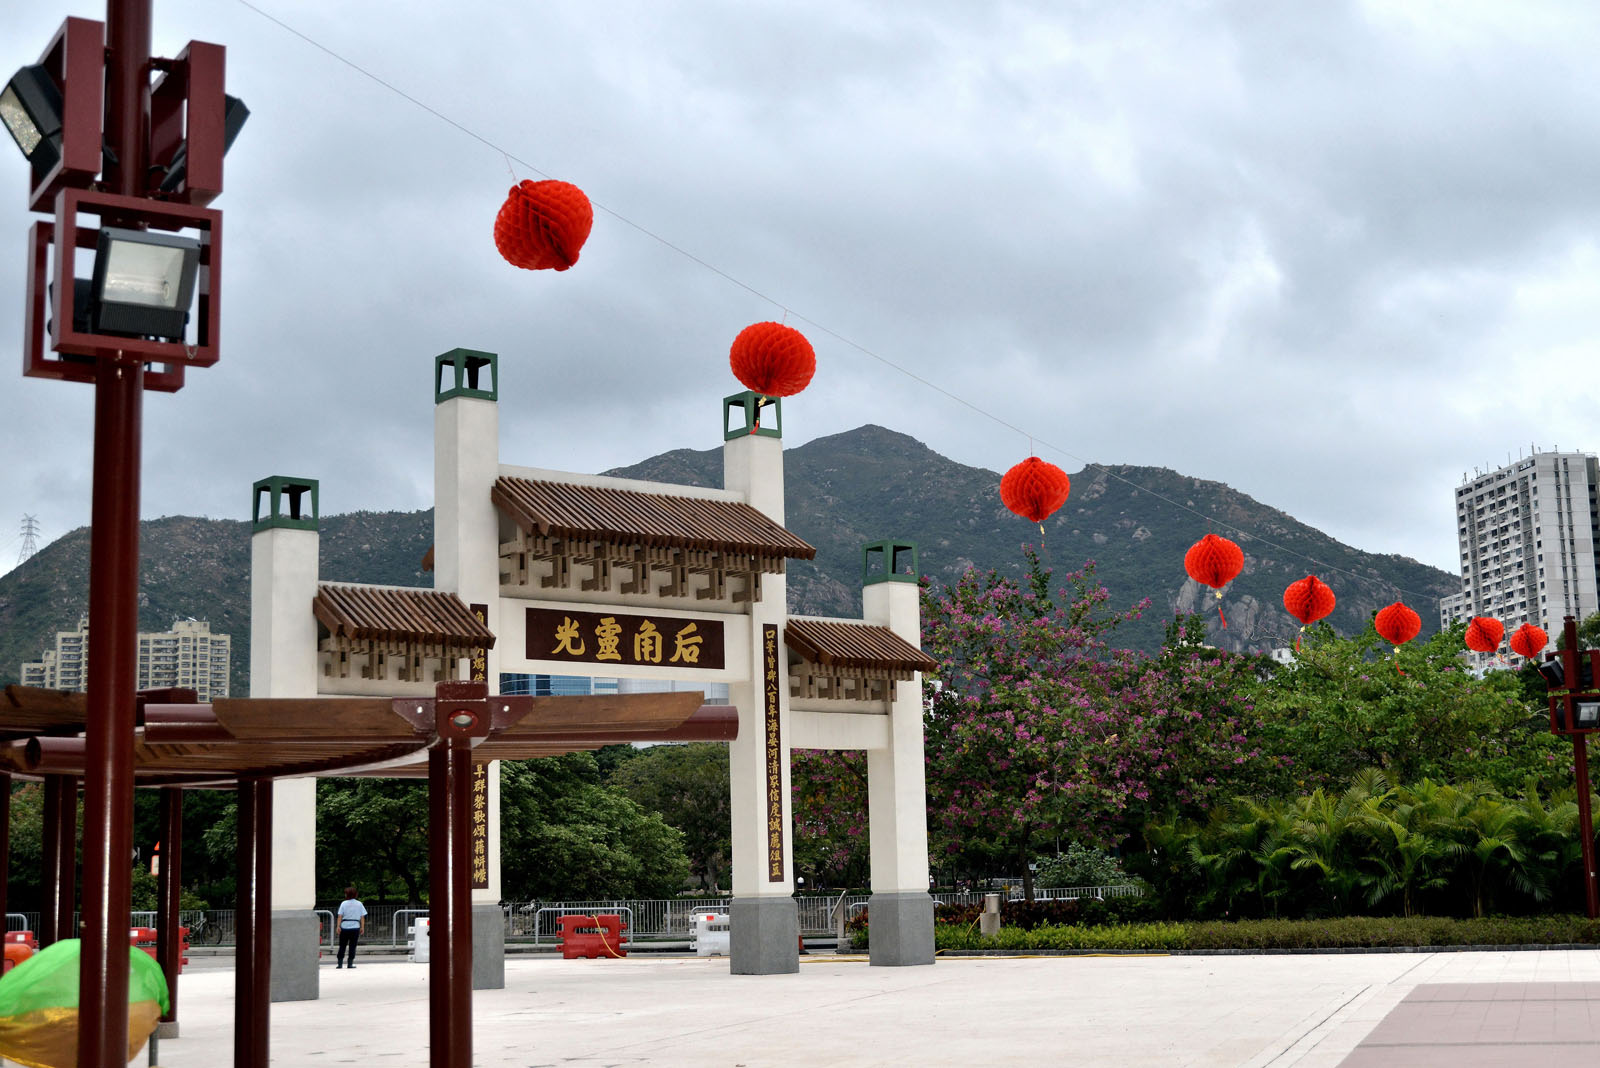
x=16, y=953
x=592, y=936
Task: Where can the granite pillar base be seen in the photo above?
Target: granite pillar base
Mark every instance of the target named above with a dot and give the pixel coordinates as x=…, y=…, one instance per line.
x=900, y=929
x=764, y=936
x=296, y=942
x=488, y=948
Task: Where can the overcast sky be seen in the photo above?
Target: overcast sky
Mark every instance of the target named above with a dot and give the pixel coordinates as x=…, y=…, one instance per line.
x=1332, y=254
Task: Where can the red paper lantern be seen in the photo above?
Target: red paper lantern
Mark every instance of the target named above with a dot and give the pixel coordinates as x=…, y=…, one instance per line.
x=772, y=359
x=1397, y=624
x=1035, y=489
x=1308, y=600
x=1484, y=634
x=1529, y=640
x=543, y=225
x=1215, y=562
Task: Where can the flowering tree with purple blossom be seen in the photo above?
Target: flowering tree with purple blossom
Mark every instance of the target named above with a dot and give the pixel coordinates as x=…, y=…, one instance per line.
x=1037, y=729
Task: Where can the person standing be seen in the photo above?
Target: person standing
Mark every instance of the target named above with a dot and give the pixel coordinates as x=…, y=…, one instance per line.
x=352, y=921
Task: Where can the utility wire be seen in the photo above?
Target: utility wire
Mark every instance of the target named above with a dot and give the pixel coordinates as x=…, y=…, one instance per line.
x=821, y=327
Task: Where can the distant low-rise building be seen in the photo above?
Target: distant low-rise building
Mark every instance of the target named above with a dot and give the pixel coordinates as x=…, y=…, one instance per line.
x=188, y=656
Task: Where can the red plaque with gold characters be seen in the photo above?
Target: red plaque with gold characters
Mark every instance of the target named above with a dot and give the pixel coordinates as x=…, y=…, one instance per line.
x=620, y=638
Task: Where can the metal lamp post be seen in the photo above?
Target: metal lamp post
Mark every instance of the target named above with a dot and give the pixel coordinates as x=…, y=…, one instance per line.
x=1571, y=675
x=102, y=140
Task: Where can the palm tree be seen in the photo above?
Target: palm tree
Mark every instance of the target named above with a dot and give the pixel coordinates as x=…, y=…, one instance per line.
x=1402, y=827
x=1497, y=845
x=1324, y=830
x=1549, y=837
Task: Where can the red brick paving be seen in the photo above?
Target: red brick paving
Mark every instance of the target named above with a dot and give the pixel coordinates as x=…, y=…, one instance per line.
x=1474, y=1025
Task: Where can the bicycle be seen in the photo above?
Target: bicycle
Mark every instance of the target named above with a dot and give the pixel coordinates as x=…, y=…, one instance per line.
x=205, y=932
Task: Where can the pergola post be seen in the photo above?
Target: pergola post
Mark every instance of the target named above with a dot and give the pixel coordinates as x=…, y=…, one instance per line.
x=252, y=999
x=169, y=904
x=5, y=837
x=59, y=830
x=450, y=909
x=461, y=714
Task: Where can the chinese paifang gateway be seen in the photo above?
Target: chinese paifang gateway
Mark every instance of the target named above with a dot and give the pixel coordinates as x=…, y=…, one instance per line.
x=546, y=572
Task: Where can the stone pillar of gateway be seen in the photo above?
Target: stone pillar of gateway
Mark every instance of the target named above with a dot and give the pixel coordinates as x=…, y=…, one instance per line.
x=284, y=543
x=857, y=684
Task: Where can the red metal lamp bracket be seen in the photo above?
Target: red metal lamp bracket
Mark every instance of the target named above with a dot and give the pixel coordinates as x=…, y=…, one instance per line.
x=188, y=110
x=79, y=349
x=461, y=711
x=76, y=59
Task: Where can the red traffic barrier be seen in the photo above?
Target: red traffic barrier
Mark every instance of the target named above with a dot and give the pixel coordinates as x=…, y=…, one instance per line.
x=592, y=937
x=16, y=953
x=146, y=938
x=22, y=938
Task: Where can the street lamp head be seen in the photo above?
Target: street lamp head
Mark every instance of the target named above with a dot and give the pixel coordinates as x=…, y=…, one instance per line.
x=1586, y=715
x=1554, y=674
x=143, y=283
x=30, y=107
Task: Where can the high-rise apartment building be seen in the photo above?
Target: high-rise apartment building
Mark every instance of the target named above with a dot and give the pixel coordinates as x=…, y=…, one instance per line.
x=1530, y=543
x=187, y=656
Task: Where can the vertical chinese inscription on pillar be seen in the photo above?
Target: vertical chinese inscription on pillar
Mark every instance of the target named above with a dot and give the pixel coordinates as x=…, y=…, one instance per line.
x=480, y=775
x=769, y=650
x=480, y=826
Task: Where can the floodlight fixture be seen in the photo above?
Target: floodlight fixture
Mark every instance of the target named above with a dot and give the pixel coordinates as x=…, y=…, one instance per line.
x=30, y=108
x=143, y=283
x=1586, y=715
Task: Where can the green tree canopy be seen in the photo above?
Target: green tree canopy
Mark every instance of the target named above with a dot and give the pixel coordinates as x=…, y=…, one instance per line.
x=687, y=785
x=1342, y=706
x=565, y=836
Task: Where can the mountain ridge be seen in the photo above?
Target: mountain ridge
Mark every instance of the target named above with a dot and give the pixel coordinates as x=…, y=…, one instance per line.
x=842, y=491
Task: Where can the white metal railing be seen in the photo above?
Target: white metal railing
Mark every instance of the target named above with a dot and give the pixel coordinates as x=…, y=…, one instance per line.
x=333, y=933
x=394, y=922
x=819, y=915
x=206, y=926
x=1070, y=893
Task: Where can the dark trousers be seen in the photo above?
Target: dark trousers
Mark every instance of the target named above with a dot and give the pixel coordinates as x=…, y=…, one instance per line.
x=347, y=940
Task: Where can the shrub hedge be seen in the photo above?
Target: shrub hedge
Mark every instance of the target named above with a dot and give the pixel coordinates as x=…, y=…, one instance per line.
x=1355, y=932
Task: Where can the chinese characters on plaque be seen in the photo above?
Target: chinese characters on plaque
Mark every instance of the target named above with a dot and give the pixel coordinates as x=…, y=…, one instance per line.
x=618, y=638
x=480, y=775
x=480, y=826
x=769, y=661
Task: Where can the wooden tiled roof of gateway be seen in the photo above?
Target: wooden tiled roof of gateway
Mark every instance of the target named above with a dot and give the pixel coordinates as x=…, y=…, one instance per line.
x=854, y=645
x=378, y=613
x=638, y=518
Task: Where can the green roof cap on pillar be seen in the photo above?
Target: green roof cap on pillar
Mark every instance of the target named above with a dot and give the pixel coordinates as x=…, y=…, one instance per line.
x=751, y=419
x=458, y=373
x=286, y=504
x=889, y=561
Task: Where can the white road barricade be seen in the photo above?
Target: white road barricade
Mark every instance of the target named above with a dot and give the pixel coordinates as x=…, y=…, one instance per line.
x=418, y=946
x=711, y=934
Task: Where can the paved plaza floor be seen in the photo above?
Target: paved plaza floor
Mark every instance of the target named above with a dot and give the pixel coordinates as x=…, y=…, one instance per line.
x=1491, y=1008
